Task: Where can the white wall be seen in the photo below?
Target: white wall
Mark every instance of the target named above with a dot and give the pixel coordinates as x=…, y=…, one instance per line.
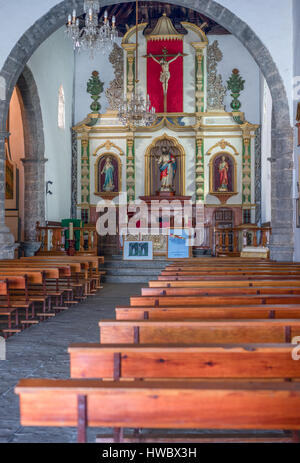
x=52, y=65
x=84, y=66
x=235, y=55
x=272, y=21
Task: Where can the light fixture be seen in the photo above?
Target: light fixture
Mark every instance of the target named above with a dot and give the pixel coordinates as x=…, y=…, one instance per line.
x=136, y=110
x=93, y=35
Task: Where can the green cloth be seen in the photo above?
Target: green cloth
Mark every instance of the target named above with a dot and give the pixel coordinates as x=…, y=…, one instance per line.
x=77, y=223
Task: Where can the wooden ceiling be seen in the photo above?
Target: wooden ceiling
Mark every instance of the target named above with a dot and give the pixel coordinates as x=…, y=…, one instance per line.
x=150, y=11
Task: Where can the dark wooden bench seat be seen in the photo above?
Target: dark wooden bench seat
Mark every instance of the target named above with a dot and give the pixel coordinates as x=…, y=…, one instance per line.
x=223, y=283
x=166, y=301
x=226, y=290
x=231, y=273
x=202, y=313
x=224, y=278
x=163, y=405
x=198, y=331
x=155, y=361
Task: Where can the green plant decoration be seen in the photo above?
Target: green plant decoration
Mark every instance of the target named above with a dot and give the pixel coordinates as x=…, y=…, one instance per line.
x=235, y=84
x=95, y=88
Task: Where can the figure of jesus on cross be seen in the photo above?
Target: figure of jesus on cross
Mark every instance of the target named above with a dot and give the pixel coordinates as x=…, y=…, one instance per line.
x=165, y=70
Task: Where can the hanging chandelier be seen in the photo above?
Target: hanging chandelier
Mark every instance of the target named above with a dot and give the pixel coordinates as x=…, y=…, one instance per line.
x=136, y=110
x=94, y=35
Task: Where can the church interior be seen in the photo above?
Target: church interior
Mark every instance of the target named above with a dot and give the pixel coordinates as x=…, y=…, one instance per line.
x=150, y=221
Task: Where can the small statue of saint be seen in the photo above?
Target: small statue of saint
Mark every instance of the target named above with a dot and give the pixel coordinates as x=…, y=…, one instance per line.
x=223, y=174
x=108, y=170
x=167, y=166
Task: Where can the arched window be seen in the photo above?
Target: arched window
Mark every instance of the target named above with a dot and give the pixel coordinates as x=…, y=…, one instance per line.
x=61, y=109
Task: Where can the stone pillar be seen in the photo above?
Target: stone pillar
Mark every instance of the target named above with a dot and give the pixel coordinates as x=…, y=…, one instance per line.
x=34, y=202
x=282, y=238
x=7, y=241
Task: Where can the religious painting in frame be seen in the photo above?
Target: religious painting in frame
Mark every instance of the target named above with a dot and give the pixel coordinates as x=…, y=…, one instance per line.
x=222, y=176
x=108, y=176
x=178, y=244
x=138, y=250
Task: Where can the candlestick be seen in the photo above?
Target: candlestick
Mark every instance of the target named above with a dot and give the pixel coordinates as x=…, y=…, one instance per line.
x=71, y=232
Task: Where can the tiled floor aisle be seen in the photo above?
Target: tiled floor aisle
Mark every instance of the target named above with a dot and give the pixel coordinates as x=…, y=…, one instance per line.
x=41, y=352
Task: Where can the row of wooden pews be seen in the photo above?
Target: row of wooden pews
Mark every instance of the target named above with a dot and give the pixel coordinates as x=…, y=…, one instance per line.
x=209, y=346
x=34, y=289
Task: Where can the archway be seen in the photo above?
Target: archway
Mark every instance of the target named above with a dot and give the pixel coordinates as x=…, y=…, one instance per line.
x=34, y=161
x=27, y=151
x=282, y=137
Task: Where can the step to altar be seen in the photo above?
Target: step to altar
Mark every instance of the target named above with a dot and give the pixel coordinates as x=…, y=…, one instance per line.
x=125, y=271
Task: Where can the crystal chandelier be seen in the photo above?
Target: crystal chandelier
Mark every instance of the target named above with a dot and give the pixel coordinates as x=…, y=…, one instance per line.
x=93, y=35
x=136, y=110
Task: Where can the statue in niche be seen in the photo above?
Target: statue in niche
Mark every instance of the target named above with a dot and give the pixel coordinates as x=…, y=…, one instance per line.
x=167, y=166
x=108, y=171
x=223, y=173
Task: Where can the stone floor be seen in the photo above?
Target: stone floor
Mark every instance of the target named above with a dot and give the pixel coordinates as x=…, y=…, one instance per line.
x=41, y=352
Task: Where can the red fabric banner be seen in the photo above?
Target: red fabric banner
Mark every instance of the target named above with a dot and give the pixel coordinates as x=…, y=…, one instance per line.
x=175, y=84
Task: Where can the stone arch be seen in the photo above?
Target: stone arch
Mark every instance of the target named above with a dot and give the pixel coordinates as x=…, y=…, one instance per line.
x=282, y=135
x=34, y=161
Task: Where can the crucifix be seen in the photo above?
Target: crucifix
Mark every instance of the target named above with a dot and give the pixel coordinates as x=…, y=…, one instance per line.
x=165, y=69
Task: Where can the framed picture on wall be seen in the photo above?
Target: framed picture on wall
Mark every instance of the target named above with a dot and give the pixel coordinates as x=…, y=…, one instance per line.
x=297, y=213
x=138, y=250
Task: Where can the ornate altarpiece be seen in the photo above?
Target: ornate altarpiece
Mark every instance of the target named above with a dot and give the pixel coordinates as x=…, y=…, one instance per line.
x=199, y=135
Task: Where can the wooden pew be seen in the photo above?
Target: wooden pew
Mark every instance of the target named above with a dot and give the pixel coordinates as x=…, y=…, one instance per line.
x=7, y=312
x=124, y=362
x=223, y=283
x=198, y=331
x=204, y=313
x=86, y=270
x=190, y=291
x=217, y=273
x=60, y=281
x=167, y=301
x=234, y=266
x=35, y=290
x=169, y=405
x=225, y=278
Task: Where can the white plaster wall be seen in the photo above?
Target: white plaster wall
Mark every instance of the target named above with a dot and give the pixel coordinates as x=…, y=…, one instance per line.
x=85, y=64
x=271, y=20
x=235, y=55
x=52, y=65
